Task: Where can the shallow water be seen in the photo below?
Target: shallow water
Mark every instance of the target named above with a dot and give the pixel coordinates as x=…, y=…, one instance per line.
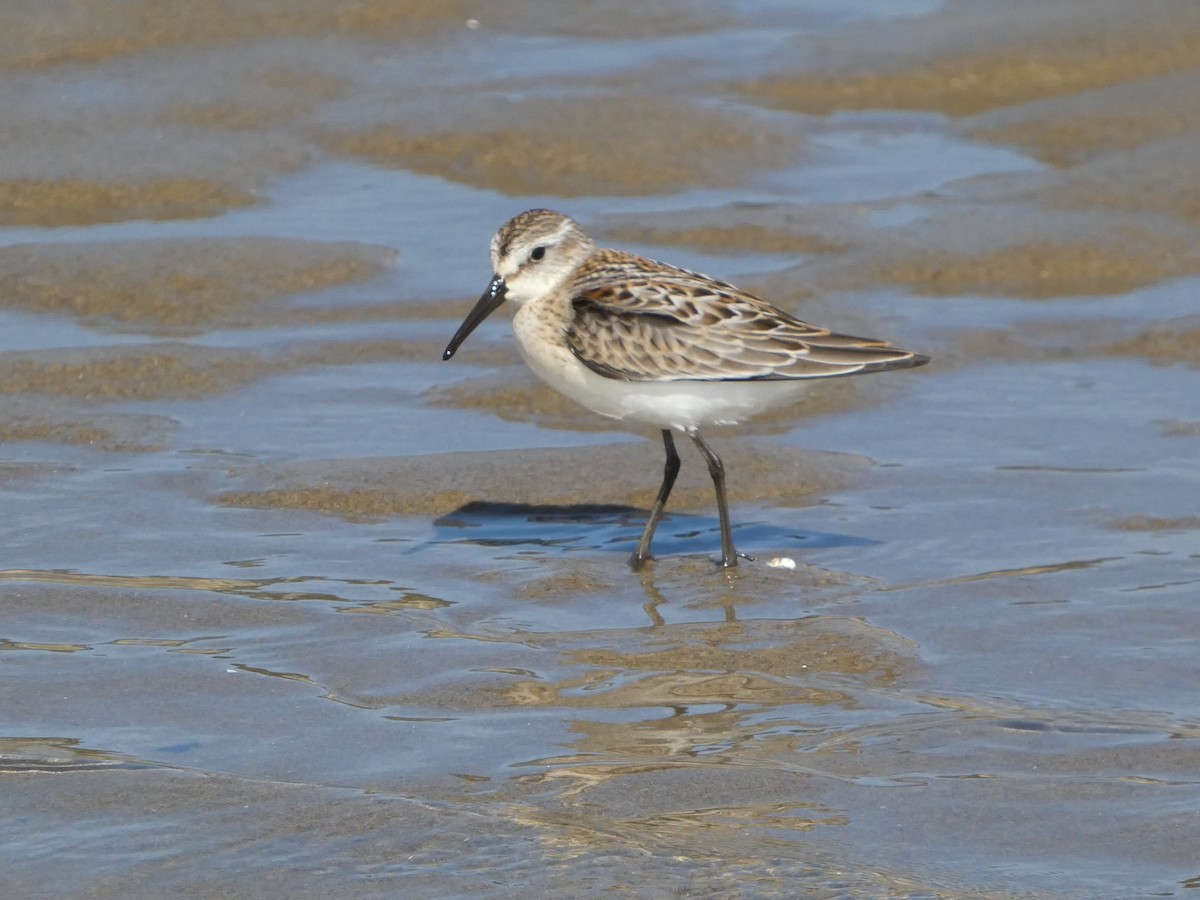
x=293, y=608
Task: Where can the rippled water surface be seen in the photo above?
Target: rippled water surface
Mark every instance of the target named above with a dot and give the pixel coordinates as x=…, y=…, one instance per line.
x=290, y=607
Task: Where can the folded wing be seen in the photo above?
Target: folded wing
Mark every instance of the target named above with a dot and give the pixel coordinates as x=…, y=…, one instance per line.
x=659, y=323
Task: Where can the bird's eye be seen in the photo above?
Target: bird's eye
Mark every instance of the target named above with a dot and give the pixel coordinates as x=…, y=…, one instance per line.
x=537, y=254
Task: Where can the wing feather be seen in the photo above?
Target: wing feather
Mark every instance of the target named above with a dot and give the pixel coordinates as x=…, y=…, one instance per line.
x=640, y=320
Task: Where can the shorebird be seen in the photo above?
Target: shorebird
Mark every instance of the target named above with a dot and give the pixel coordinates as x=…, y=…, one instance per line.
x=644, y=342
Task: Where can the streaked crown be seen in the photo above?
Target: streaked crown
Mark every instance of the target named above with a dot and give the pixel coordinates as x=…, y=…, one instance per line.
x=536, y=251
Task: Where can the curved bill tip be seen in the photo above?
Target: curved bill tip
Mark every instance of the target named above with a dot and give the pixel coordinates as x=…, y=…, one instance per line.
x=484, y=307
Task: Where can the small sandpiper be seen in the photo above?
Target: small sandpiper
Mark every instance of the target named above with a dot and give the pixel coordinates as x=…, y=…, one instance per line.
x=641, y=341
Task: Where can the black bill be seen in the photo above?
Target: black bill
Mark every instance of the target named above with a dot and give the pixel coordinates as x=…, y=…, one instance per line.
x=488, y=303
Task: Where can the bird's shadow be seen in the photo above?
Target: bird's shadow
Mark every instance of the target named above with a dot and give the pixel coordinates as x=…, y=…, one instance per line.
x=607, y=526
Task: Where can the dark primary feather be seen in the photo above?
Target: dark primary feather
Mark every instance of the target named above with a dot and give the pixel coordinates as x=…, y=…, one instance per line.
x=639, y=320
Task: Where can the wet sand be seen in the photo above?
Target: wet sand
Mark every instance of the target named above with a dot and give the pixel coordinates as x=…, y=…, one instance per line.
x=293, y=608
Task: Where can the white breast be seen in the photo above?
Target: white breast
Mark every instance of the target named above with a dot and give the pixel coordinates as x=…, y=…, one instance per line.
x=662, y=404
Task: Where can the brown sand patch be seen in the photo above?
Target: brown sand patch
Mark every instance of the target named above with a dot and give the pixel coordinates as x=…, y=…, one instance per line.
x=24, y=420
x=580, y=146
x=627, y=474
x=14, y=472
x=177, y=284
x=234, y=116
x=74, y=201
x=114, y=162
x=679, y=684
x=802, y=648
x=451, y=310
x=1156, y=523
x=361, y=312
x=810, y=229
x=568, y=581
x=1038, y=270
x=69, y=433
x=159, y=371
x=1003, y=242
x=348, y=353
x=1067, y=131
x=1162, y=344
x=687, y=577
x=1064, y=142
x=354, y=504
x=966, y=85
x=57, y=432
x=1049, y=340
x=731, y=665
x=154, y=137
x=181, y=371
x=1179, y=428
x=971, y=62
x=58, y=32
x=275, y=96
x=1162, y=177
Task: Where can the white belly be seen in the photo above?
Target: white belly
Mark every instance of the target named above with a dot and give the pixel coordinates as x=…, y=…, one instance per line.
x=662, y=404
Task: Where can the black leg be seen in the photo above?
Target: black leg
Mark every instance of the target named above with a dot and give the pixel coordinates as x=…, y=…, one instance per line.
x=670, y=470
x=717, y=470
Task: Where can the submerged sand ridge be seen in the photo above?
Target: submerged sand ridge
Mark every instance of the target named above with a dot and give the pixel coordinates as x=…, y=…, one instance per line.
x=438, y=485
x=178, y=371
x=975, y=59
x=87, y=32
x=74, y=201
x=578, y=146
x=41, y=419
x=178, y=284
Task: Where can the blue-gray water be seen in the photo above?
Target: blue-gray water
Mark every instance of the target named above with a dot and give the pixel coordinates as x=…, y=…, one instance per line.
x=290, y=607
